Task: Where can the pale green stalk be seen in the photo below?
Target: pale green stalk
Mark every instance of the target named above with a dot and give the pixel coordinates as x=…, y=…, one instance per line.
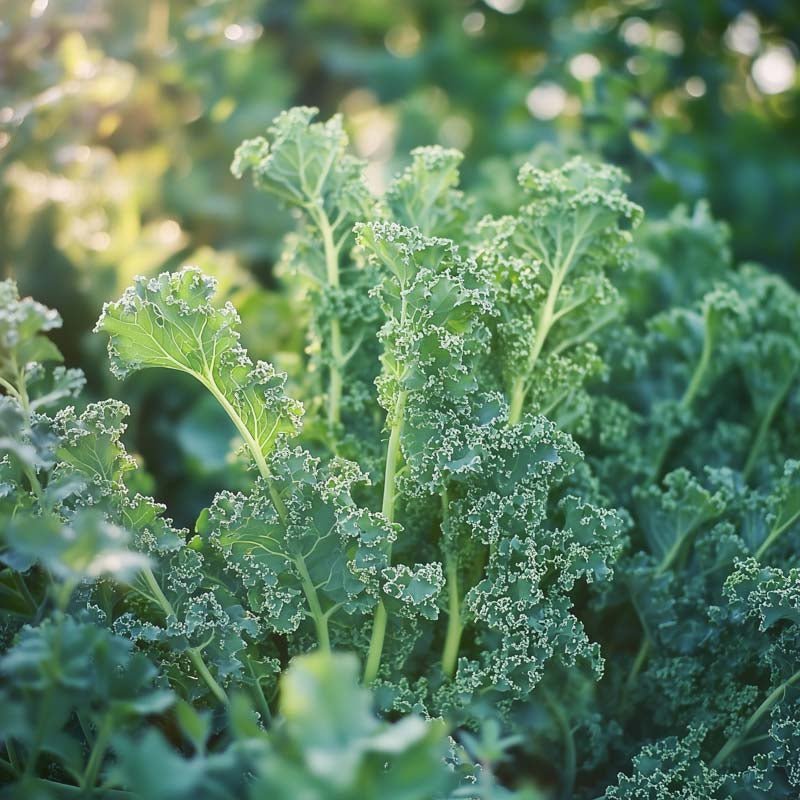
x=99, y=749
x=455, y=625
x=387, y=508
x=194, y=654
x=331, y=251
x=319, y=617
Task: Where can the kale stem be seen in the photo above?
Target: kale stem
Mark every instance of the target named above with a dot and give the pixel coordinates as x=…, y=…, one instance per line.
x=152, y=584
x=686, y=401
x=317, y=614
x=96, y=756
x=392, y=457
x=252, y=445
x=736, y=741
x=376, y=643
x=277, y=501
x=570, y=758
x=21, y=394
x=194, y=655
x=517, y=400
x=775, y=534
x=455, y=625
x=12, y=756
x=387, y=508
x=335, y=387
x=25, y=592
x=638, y=663
x=9, y=388
x=320, y=619
x=205, y=674
x=332, y=272
x=22, y=390
x=33, y=480
x=519, y=388
x=261, y=700
x=698, y=375
x=764, y=426
x=85, y=729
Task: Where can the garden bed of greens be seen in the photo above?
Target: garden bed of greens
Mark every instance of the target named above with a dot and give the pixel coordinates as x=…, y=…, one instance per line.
x=523, y=523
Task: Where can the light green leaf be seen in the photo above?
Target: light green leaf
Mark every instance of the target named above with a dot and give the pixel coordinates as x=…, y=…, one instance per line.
x=170, y=322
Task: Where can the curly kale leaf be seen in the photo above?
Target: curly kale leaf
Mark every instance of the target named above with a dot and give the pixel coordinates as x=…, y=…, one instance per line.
x=669, y=518
x=312, y=555
x=23, y=323
x=671, y=769
x=537, y=540
x=306, y=165
x=551, y=264
x=175, y=608
x=676, y=261
x=768, y=354
x=434, y=301
x=304, y=162
x=737, y=340
x=65, y=669
x=425, y=195
x=170, y=322
x=87, y=547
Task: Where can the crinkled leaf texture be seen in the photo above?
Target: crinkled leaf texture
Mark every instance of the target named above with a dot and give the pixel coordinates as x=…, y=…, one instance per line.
x=171, y=322
x=319, y=538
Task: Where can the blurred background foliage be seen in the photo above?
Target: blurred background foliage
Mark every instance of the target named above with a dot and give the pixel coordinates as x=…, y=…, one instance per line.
x=118, y=121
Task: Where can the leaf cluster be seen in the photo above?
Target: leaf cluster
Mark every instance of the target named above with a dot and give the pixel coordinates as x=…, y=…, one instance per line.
x=517, y=490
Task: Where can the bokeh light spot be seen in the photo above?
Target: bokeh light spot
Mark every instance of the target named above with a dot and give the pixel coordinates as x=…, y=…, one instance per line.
x=546, y=101
x=474, y=22
x=456, y=131
x=505, y=6
x=744, y=34
x=38, y=7
x=635, y=31
x=585, y=66
x=695, y=86
x=234, y=32
x=774, y=70
x=670, y=42
x=403, y=41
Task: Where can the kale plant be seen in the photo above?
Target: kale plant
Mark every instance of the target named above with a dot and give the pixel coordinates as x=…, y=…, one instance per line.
x=522, y=524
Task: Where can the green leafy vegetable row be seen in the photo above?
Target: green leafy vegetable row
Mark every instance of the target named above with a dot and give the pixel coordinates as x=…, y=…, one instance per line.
x=540, y=484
